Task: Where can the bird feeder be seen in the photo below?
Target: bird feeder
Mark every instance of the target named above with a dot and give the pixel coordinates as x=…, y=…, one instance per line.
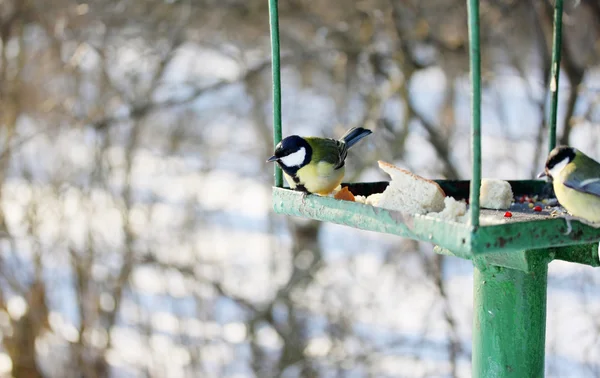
x=510, y=256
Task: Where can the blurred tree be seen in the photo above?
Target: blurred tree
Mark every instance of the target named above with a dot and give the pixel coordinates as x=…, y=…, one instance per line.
x=136, y=236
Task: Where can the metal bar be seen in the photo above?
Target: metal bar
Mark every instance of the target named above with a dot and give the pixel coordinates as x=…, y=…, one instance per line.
x=475, y=68
x=276, y=70
x=509, y=322
x=556, y=55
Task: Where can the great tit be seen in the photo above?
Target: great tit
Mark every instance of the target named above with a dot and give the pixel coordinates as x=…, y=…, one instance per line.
x=315, y=165
x=576, y=181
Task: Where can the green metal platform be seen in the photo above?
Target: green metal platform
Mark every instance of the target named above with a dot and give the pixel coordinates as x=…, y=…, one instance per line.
x=510, y=255
x=497, y=239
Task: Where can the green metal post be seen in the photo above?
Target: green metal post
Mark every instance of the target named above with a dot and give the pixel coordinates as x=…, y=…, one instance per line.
x=509, y=322
x=276, y=70
x=475, y=63
x=556, y=50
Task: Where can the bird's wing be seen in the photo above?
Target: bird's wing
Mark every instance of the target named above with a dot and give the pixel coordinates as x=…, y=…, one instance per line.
x=329, y=150
x=343, y=152
x=589, y=186
x=584, y=182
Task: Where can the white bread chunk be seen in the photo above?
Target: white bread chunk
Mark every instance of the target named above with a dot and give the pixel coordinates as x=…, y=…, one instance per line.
x=495, y=194
x=453, y=210
x=360, y=199
x=373, y=199
x=370, y=200
x=410, y=193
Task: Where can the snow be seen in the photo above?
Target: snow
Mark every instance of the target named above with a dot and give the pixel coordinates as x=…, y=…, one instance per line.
x=5, y=363
x=16, y=307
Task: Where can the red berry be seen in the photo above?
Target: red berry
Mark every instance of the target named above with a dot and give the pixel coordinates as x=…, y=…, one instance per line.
x=508, y=214
x=537, y=208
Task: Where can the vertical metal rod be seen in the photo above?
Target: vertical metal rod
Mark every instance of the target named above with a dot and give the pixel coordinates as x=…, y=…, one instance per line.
x=475, y=68
x=556, y=55
x=509, y=322
x=276, y=70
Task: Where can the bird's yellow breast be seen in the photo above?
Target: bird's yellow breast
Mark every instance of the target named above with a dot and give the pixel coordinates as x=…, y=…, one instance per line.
x=579, y=204
x=318, y=178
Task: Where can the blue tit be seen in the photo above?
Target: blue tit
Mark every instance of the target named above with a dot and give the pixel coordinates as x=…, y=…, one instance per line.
x=576, y=181
x=315, y=165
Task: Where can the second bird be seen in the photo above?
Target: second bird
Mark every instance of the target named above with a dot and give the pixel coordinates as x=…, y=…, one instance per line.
x=315, y=165
x=576, y=181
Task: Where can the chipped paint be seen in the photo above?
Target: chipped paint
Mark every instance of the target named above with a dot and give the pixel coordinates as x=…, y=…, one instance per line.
x=525, y=231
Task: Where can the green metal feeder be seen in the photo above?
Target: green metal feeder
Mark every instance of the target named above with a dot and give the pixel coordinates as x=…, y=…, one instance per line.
x=510, y=259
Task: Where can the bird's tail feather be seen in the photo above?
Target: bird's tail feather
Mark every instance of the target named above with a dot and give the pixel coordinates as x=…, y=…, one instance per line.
x=354, y=135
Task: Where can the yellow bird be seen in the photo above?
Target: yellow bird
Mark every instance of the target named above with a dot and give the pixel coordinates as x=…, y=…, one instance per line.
x=315, y=165
x=576, y=181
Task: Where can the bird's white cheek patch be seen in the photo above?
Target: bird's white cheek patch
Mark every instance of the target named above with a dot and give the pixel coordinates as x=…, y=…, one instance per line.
x=295, y=159
x=558, y=167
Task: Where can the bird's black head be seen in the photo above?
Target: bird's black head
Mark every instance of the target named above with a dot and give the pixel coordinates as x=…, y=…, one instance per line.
x=558, y=158
x=292, y=153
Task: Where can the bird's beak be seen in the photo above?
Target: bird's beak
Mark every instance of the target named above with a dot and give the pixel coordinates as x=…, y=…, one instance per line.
x=272, y=159
x=542, y=174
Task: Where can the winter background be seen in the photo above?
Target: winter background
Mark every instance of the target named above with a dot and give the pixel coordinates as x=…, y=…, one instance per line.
x=136, y=231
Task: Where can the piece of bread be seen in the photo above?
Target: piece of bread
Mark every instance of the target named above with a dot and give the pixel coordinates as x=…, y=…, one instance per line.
x=453, y=210
x=495, y=194
x=360, y=199
x=373, y=199
x=370, y=200
x=410, y=193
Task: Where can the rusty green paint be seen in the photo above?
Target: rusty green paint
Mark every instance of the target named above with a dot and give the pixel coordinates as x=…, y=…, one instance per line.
x=453, y=235
x=525, y=261
x=276, y=74
x=508, y=239
x=536, y=234
x=475, y=75
x=509, y=322
x=554, y=76
x=586, y=254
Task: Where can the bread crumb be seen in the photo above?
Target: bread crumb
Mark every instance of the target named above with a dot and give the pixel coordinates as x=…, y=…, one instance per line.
x=370, y=200
x=373, y=199
x=360, y=199
x=453, y=209
x=465, y=218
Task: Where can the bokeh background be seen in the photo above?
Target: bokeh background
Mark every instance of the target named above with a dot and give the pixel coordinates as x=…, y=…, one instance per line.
x=136, y=231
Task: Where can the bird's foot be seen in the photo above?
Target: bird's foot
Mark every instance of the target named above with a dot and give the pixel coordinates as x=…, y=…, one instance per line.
x=301, y=188
x=569, y=218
